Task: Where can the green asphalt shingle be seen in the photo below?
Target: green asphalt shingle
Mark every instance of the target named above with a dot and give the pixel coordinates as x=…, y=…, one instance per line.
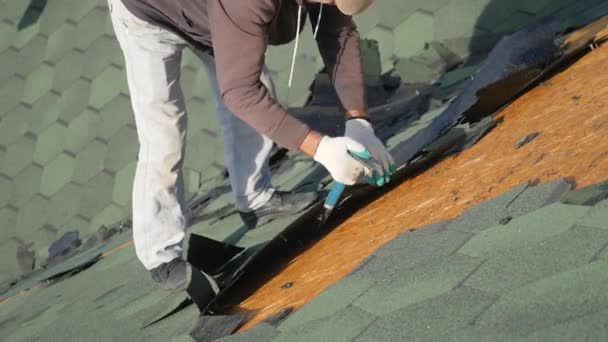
x=11, y=91
x=488, y=213
x=122, y=149
x=38, y=83
x=537, y=197
x=552, y=300
x=68, y=70
x=31, y=180
x=514, y=268
x=42, y=114
x=345, y=325
x=12, y=125
x=65, y=205
x=329, y=302
x=262, y=332
x=81, y=131
x=429, y=319
x=89, y=161
x=589, y=195
x=50, y=143
x=18, y=155
x=525, y=230
x=590, y=327
x=57, y=173
x=597, y=216
x=74, y=100
x=417, y=284
x=114, y=115
x=410, y=250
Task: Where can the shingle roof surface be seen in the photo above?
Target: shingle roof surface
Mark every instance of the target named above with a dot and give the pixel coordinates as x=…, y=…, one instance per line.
x=68, y=145
x=541, y=276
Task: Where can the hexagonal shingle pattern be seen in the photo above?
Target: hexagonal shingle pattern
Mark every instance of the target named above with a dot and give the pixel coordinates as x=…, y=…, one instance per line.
x=57, y=173
x=123, y=184
x=81, y=131
x=8, y=217
x=12, y=126
x=18, y=155
x=32, y=216
x=108, y=216
x=92, y=26
x=114, y=115
x=108, y=84
x=43, y=113
x=6, y=184
x=122, y=148
x=31, y=55
x=38, y=83
x=68, y=70
x=96, y=195
x=50, y=143
x=61, y=42
x=74, y=100
x=64, y=205
x=103, y=52
x=11, y=91
x=26, y=185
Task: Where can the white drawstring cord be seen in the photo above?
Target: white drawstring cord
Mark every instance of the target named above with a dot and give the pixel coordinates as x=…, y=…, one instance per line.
x=314, y=35
x=295, y=48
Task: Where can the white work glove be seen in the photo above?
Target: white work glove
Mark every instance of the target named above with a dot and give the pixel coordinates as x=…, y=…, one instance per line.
x=333, y=154
x=361, y=131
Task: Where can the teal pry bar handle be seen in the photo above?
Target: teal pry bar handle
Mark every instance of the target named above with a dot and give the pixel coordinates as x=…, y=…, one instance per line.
x=334, y=195
x=336, y=192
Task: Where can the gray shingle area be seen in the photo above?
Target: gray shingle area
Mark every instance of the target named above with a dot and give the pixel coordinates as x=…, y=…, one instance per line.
x=540, y=276
x=516, y=202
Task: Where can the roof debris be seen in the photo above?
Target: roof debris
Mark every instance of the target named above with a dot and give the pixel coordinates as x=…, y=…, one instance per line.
x=526, y=140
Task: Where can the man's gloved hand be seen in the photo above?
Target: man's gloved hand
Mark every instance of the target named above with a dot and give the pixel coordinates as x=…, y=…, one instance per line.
x=333, y=154
x=361, y=131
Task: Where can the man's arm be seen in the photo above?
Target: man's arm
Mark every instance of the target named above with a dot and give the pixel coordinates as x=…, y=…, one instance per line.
x=239, y=34
x=338, y=42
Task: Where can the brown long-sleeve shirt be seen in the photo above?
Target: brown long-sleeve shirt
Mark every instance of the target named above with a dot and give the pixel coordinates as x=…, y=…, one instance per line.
x=239, y=32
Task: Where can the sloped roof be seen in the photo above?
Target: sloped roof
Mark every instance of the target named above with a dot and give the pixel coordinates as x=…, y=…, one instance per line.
x=121, y=295
x=67, y=136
